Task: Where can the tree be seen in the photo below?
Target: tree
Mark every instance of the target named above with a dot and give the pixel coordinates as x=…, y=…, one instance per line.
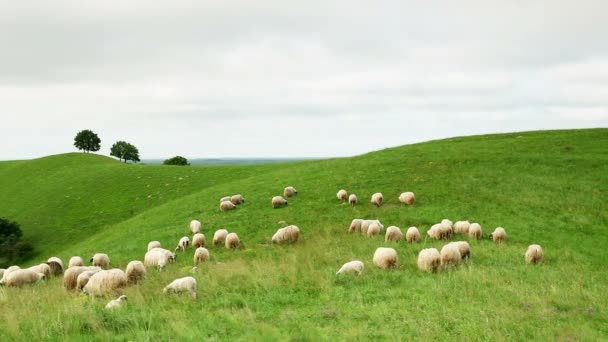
x=124, y=151
x=87, y=140
x=177, y=160
x=11, y=246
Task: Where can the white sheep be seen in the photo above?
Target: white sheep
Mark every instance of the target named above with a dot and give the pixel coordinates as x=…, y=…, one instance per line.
x=352, y=267
x=377, y=199
x=352, y=200
x=373, y=229
x=342, y=195
x=237, y=199
x=7, y=272
x=461, y=227
x=56, y=265
x=439, y=231
x=57, y=260
x=42, y=268
x=475, y=231
x=195, y=227
x=20, y=277
x=186, y=284
x=225, y=198
x=227, y=205
x=366, y=223
x=232, y=241
x=278, y=201
x=84, y=277
x=499, y=235
x=393, y=233
x=70, y=277
x=534, y=254
x=116, y=303
x=355, y=226
x=201, y=255
x=219, y=237
x=429, y=259
x=386, y=258
x=450, y=255
x=407, y=198
x=198, y=240
x=183, y=243
x=463, y=247
x=449, y=227
x=75, y=261
x=412, y=235
x=135, y=272
x=101, y=260
x=159, y=257
x=287, y=234
x=290, y=191
x=153, y=244
x=105, y=282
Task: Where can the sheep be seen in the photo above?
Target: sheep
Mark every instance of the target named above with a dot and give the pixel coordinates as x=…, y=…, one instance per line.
x=286, y=234
x=225, y=198
x=7, y=272
x=70, y=277
x=475, y=231
x=105, y=282
x=56, y=268
x=439, y=231
x=153, y=244
x=366, y=223
x=449, y=227
x=407, y=198
x=159, y=257
x=342, y=195
x=499, y=235
x=219, y=237
x=201, y=255
x=116, y=303
x=290, y=191
x=373, y=229
x=227, y=205
x=429, y=260
x=20, y=277
x=195, y=227
x=186, y=284
x=386, y=258
x=278, y=201
x=42, y=268
x=450, y=255
x=198, y=240
x=393, y=233
x=101, y=260
x=534, y=254
x=232, y=241
x=377, y=199
x=463, y=247
x=351, y=267
x=237, y=199
x=57, y=260
x=462, y=227
x=355, y=226
x=75, y=261
x=412, y=235
x=352, y=200
x=83, y=278
x=135, y=272
x=183, y=244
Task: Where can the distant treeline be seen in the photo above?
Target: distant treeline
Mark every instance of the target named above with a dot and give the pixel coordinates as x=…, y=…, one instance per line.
x=232, y=161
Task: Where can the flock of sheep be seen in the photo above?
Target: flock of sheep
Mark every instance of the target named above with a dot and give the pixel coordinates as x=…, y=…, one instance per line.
x=100, y=280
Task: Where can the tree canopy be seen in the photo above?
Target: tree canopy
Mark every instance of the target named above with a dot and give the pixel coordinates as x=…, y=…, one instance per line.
x=11, y=246
x=177, y=160
x=87, y=140
x=124, y=151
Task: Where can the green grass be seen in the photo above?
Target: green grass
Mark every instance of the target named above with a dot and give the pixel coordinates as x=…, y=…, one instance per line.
x=543, y=187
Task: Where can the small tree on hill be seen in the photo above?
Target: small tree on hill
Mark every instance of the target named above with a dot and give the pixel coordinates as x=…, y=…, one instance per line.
x=177, y=160
x=11, y=246
x=124, y=151
x=87, y=140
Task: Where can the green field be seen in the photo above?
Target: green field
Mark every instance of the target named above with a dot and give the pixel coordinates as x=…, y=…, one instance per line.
x=545, y=187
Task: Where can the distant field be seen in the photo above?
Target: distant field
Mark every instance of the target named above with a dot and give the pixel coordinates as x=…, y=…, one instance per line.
x=232, y=161
x=546, y=187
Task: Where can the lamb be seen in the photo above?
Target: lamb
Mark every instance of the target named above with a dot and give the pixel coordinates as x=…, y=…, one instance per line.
x=75, y=261
x=116, y=303
x=70, y=277
x=352, y=200
x=135, y=272
x=377, y=199
x=232, y=241
x=412, y=235
x=287, y=234
x=463, y=247
x=290, y=191
x=153, y=244
x=342, y=195
x=159, y=257
x=278, y=201
x=198, y=240
x=450, y=255
x=105, y=282
x=186, y=284
x=373, y=229
x=386, y=258
x=429, y=260
x=393, y=233
x=355, y=226
x=407, y=198
x=183, y=243
x=201, y=255
x=42, y=268
x=499, y=235
x=101, y=260
x=351, y=267
x=83, y=278
x=20, y=277
x=219, y=237
x=195, y=227
x=225, y=198
x=227, y=205
x=237, y=199
x=462, y=227
x=475, y=231
x=534, y=254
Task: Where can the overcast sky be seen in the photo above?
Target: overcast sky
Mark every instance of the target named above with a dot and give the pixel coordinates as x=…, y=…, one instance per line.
x=278, y=79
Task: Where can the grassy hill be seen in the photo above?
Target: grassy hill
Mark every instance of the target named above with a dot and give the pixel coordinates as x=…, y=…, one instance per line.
x=543, y=187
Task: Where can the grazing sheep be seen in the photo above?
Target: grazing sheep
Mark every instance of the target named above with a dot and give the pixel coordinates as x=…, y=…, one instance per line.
x=450, y=255
x=393, y=233
x=135, y=272
x=407, y=198
x=70, y=277
x=386, y=258
x=101, y=260
x=195, y=227
x=342, y=195
x=153, y=244
x=377, y=199
x=475, y=231
x=449, y=227
x=462, y=227
x=198, y=240
x=57, y=260
x=429, y=260
x=290, y=191
x=159, y=257
x=75, y=261
x=534, y=254
x=201, y=255
x=116, y=303
x=56, y=268
x=237, y=199
x=183, y=243
x=105, y=282
x=186, y=284
x=83, y=278
x=232, y=241
x=366, y=223
x=42, y=268
x=463, y=247
x=499, y=235
x=278, y=201
x=355, y=226
x=287, y=234
x=352, y=200
x=373, y=229
x=219, y=237
x=225, y=198
x=352, y=267
x=439, y=231
x=227, y=205
x=20, y=277
x=412, y=235
x=7, y=272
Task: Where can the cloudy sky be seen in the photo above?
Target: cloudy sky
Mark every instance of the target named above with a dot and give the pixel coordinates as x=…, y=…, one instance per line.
x=282, y=79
